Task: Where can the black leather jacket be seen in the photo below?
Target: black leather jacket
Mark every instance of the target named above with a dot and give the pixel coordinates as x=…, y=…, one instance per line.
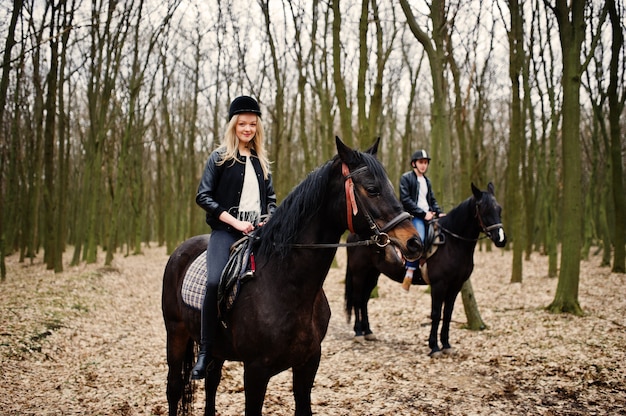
x=409, y=190
x=221, y=185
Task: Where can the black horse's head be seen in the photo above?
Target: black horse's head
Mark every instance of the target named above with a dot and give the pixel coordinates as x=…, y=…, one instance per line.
x=372, y=208
x=488, y=212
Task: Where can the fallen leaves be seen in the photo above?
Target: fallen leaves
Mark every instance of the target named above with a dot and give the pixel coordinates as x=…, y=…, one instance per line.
x=91, y=341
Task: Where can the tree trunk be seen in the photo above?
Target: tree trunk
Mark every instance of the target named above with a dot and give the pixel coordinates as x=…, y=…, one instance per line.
x=474, y=320
x=4, y=86
x=572, y=34
x=345, y=112
x=441, y=165
x=49, y=204
x=516, y=142
x=616, y=106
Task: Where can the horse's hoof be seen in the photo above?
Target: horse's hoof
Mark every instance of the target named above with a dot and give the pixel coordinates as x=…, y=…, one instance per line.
x=370, y=337
x=450, y=351
x=359, y=338
x=435, y=354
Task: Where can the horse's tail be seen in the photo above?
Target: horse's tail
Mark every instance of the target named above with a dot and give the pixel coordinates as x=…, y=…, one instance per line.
x=186, y=406
x=348, y=303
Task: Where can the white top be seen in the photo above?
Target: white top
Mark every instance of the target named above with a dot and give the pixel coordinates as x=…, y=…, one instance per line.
x=250, y=203
x=422, y=202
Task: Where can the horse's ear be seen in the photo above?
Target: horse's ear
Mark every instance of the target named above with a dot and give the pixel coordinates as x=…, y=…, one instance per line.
x=373, y=150
x=346, y=154
x=477, y=192
x=491, y=188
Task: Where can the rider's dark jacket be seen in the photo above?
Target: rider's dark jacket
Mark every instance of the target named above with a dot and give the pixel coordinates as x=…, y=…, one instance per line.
x=409, y=190
x=221, y=185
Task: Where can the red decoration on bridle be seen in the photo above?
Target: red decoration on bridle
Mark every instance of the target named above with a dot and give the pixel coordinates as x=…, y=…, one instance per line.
x=351, y=206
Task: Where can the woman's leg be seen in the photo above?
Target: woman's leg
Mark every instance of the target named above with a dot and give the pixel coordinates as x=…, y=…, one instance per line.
x=217, y=255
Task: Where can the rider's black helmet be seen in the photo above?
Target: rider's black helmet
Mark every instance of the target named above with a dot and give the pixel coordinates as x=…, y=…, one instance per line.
x=419, y=155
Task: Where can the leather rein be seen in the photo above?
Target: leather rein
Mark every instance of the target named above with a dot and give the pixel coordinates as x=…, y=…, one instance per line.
x=379, y=235
x=485, y=229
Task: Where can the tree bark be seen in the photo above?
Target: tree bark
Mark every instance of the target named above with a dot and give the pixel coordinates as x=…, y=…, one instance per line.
x=4, y=86
x=572, y=34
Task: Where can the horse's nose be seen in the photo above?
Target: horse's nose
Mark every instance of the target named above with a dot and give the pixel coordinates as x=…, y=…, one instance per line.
x=414, y=245
x=499, y=238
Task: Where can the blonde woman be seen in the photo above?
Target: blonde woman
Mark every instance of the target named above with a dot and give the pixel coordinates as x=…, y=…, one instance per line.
x=236, y=191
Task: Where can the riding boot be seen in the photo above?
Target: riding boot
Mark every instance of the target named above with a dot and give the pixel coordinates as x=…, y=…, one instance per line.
x=408, y=279
x=205, y=361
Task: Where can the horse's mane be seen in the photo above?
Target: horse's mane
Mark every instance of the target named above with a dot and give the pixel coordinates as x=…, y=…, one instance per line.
x=458, y=217
x=301, y=204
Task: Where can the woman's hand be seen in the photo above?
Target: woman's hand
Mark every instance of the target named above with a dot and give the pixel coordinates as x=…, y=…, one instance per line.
x=244, y=226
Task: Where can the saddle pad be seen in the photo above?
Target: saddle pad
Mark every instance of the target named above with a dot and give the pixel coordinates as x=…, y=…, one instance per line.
x=194, y=282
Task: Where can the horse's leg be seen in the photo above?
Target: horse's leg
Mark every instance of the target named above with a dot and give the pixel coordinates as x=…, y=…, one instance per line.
x=303, y=378
x=177, y=344
x=365, y=322
x=255, y=379
x=370, y=284
x=361, y=289
x=435, y=315
x=358, y=321
x=448, y=307
x=211, y=382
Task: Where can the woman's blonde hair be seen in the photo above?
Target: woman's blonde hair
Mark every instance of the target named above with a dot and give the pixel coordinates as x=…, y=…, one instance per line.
x=230, y=141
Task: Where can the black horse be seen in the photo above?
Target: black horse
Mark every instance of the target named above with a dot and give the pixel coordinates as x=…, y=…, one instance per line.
x=282, y=314
x=447, y=268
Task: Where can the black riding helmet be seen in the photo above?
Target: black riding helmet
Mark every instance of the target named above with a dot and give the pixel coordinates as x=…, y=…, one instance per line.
x=243, y=104
x=419, y=155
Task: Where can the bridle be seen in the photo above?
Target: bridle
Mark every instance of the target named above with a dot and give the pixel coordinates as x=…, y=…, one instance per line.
x=485, y=229
x=379, y=235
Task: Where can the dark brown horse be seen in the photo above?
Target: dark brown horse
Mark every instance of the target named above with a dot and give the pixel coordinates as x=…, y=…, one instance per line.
x=281, y=315
x=448, y=268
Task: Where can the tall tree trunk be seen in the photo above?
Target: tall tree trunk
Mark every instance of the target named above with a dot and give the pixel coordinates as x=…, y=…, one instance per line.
x=514, y=198
x=4, y=86
x=441, y=149
x=345, y=112
x=572, y=34
x=616, y=106
x=49, y=204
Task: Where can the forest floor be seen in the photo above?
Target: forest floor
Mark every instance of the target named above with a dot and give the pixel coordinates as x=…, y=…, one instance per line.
x=91, y=341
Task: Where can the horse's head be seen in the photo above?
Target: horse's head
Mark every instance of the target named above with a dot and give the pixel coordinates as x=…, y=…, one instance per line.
x=372, y=208
x=488, y=212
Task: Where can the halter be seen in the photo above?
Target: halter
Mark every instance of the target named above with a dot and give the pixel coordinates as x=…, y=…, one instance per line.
x=380, y=236
x=485, y=229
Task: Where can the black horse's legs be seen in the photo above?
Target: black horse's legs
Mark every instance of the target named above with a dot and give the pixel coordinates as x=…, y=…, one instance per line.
x=211, y=382
x=365, y=322
x=303, y=378
x=358, y=321
x=447, y=318
x=176, y=350
x=435, y=315
x=255, y=379
x=361, y=318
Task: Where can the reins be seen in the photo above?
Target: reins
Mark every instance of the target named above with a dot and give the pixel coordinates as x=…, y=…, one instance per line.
x=483, y=228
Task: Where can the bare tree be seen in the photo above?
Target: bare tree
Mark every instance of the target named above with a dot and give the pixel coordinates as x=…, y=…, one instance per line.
x=572, y=30
x=4, y=86
x=434, y=45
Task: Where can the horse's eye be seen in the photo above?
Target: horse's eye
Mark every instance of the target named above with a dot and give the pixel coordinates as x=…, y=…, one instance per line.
x=372, y=191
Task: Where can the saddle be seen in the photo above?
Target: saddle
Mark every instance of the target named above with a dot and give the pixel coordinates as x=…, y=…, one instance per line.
x=239, y=269
x=434, y=238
